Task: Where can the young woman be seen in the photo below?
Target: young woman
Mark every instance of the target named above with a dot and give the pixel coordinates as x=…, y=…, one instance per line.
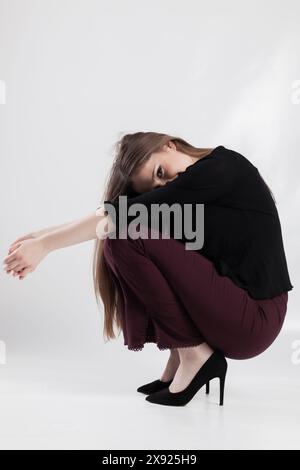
x=227, y=298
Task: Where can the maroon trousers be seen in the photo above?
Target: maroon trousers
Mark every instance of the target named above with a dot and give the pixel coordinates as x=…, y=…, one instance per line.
x=175, y=298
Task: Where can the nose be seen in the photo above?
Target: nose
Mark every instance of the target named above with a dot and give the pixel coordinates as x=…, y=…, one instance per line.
x=172, y=179
x=166, y=182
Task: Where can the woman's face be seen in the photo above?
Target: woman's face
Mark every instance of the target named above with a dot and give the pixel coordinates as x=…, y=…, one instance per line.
x=161, y=168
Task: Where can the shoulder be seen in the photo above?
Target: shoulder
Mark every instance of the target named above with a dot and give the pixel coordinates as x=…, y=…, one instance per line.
x=236, y=156
x=220, y=159
x=218, y=155
x=217, y=168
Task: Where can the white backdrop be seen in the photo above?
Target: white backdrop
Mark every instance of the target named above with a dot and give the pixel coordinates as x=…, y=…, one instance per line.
x=75, y=76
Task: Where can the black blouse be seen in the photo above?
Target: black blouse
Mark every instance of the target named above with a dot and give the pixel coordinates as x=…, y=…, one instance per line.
x=242, y=231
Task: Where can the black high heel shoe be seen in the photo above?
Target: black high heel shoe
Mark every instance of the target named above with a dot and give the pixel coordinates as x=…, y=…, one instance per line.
x=215, y=366
x=154, y=386
x=157, y=385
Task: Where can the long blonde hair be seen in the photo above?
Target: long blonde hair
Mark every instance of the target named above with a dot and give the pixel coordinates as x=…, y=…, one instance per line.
x=132, y=150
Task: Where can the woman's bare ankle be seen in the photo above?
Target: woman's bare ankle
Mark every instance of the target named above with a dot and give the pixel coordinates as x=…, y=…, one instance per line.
x=198, y=354
x=174, y=353
x=172, y=366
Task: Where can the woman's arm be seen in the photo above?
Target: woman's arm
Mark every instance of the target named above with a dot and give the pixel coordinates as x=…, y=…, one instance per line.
x=28, y=253
x=43, y=231
x=90, y=227
x=36, y=234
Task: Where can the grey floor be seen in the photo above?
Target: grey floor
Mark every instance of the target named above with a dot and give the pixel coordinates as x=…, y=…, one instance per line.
x=63, y=404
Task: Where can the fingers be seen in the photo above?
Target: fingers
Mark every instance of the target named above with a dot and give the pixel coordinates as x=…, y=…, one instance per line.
x=16, y=267
x=15, y=272
x=13, y=260
x=13, y=247
x=16, y=264
x=16, y=243
x=10, y=257
x=24, y=272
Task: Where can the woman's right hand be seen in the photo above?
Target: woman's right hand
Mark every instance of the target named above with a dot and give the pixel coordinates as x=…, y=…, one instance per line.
x=27, y=236
x=27, y=251
x=26, y=255
x=36, y=234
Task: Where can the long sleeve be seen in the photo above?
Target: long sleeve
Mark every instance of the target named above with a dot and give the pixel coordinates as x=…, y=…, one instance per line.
x=238, y=230
x=205, y=181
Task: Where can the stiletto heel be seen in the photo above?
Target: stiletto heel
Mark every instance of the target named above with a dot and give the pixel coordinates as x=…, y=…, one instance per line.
x=222, y=384
x=215, y=366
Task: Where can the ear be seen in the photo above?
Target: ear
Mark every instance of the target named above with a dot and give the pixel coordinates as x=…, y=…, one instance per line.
x=171, y=145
